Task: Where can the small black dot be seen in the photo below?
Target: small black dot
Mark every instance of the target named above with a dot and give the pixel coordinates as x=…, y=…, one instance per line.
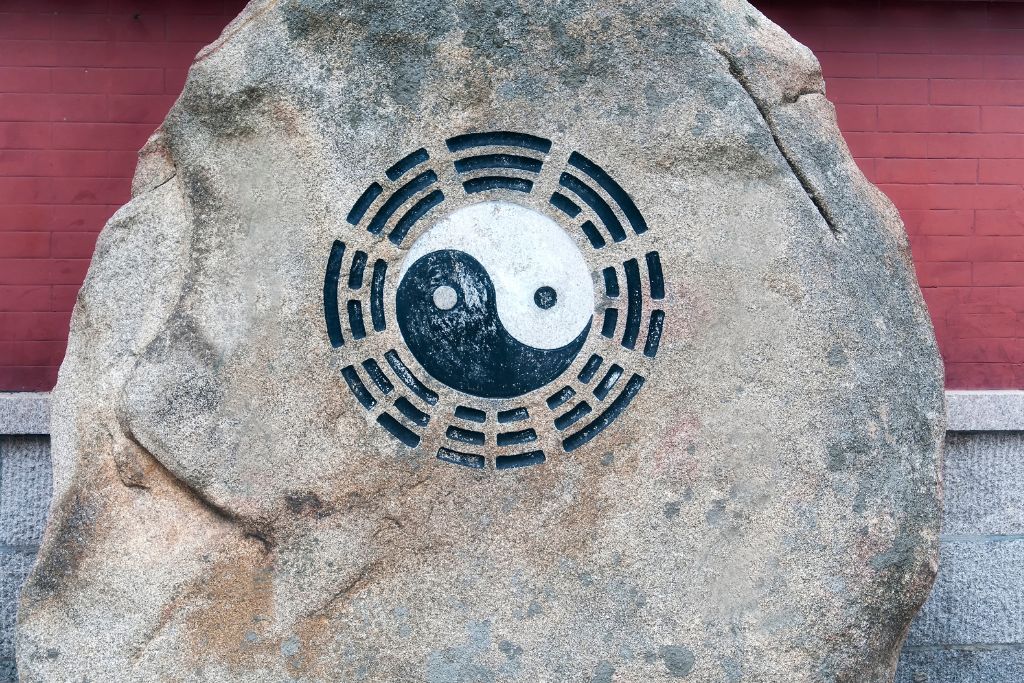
x=545, y=297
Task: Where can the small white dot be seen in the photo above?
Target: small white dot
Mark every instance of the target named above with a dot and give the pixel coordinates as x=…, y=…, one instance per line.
x=445, y=298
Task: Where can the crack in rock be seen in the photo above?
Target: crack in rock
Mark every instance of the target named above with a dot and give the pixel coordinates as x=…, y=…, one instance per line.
x=737, y=73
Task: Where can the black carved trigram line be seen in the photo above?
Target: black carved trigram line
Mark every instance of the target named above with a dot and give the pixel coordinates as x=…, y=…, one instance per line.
x=474, y=460
x=504, y=171
x=609, y=415
x=407, y=163
x=471, y=414
x=400, y=194
x=331, y=294
x=590, y=369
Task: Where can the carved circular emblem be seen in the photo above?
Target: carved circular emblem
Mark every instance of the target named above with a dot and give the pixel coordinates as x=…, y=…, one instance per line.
x=489, y=311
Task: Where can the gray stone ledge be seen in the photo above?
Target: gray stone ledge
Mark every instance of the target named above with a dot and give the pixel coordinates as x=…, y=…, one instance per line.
x=967, y=411
x=25, y=412
x=961, y=665
x=985, y=411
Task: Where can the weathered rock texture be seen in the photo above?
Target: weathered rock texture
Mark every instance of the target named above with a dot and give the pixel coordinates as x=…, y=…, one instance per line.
x=766, y=510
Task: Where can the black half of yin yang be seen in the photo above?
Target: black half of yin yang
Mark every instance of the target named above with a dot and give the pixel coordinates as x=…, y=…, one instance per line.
x=466, y=346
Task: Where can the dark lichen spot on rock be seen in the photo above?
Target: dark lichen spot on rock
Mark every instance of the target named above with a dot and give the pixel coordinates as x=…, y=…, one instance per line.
x=836, y=456
x=671, y=510
x=74, y=529
x=733, y=670
x=716, y=513
x=604, y=673
x=494, y=29
x=678, y=660
x=847, y=450
x=860, y=501
x=290, y=647
x=510, y=649
x=307, y=504
x=301, y=21
x=900, y=556
x=837, y=357
x=223, y=112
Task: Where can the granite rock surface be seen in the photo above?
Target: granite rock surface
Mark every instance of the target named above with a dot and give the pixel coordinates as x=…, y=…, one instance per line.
x=230, y=501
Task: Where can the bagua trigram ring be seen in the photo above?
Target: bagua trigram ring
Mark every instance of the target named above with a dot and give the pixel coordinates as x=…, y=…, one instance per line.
x=487, y=309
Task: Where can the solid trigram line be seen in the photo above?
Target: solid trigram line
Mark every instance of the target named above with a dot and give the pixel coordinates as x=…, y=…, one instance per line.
x=495, y=182
x=332, y=317
x=380, y=269
x=418, y=210
x=364, y=202
x=485, y=161
x=614, y=190
x=634, y=303
x=498, y=138
x=401, y=195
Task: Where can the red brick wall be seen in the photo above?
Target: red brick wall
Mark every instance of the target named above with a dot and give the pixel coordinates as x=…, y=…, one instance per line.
x=82, y=85
x=929, y=94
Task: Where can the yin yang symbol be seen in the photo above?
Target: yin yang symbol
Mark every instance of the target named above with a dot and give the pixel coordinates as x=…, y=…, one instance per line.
x=495, y=300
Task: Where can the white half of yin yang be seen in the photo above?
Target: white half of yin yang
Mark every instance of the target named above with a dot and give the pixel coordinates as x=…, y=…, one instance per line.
x=522, y=250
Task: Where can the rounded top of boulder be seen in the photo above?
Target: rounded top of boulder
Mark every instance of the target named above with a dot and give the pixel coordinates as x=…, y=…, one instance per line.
x=520, y=341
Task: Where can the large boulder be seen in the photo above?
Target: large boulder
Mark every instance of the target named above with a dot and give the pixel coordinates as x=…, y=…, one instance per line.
x=345, y=397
